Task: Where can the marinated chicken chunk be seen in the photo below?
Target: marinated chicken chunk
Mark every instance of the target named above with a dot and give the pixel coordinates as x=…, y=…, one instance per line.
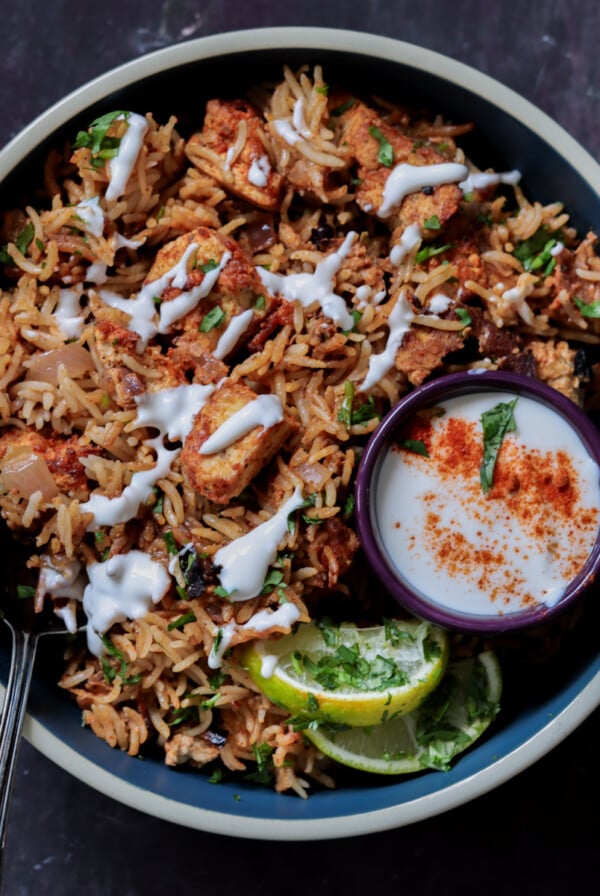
x=231, y=149
x=50, y=464
x=236, y=290
x=364, y=131
x=225, y=474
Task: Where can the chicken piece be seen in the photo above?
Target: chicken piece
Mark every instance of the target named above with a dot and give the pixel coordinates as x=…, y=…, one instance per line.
x=60, y=454
x=236, y=289
x=197, y=750
x=249, y=174
x=423, y=351
x=225, y=474
x=416, y=208
x=114, y=345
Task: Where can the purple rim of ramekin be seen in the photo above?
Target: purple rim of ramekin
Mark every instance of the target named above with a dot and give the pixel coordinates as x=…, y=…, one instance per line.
x=430, y=393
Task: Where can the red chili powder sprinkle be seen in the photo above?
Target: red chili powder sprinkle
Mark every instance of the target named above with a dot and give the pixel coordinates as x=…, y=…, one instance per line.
x=539, y=490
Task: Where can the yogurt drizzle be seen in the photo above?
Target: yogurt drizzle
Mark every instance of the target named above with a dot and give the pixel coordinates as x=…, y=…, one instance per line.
x=399, y=323
x=308, y=288
x=129, y=148
x=142, y=309
x=245, y=561
x=265, y=411
x=405, y=179
x=284, y=616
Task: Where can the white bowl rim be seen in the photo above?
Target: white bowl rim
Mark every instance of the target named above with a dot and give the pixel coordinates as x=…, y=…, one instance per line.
x=504, y=98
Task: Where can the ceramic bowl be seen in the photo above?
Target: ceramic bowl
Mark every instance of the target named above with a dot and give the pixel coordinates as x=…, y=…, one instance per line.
x=454, y=599
x=511, y=133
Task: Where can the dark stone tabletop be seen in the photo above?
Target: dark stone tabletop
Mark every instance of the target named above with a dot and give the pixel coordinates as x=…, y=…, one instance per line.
x=536, y=834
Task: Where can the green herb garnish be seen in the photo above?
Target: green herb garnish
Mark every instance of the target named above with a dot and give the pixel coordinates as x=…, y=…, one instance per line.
x=592, y=310
x=386, y=150
x=432, y=223
x=101, y=146
x=417, y=446
x=496, y=423
x=535, y=253
x=214, y=318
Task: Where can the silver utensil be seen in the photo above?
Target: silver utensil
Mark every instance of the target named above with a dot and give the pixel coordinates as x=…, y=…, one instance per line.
x=26, y=627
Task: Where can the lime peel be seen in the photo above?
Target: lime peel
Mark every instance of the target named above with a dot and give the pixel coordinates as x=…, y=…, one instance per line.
x=348, y=675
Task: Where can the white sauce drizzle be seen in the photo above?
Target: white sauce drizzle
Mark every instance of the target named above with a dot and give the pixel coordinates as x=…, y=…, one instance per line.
x=236, y=326
x=284, y=615
x=91, y=216
x=516, y=297
x=299, y=119
x=480, y=180
x=264, y=410
x=316, y=287
x=245, y=561
x=365, y=296
x=67, y=583
x=129, y=148
x=399, y=323
x=410, y=239
x=124, y=587
x=259, y=171
x=67, y=313
x=96, y=273
x=405, y=179
x=439, y=303
x=142, y=309
x=286, y=132
x=172, y=412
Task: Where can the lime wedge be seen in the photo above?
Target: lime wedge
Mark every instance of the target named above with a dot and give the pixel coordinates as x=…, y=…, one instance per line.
x=350, y=675
x=445, y=724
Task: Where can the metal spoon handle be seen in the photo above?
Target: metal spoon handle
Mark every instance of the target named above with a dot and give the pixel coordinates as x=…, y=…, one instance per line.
x=13, y=716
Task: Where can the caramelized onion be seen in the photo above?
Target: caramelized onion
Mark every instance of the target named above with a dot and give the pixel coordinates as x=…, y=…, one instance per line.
x=28, y=473
x=261, y=234
x=44, y=367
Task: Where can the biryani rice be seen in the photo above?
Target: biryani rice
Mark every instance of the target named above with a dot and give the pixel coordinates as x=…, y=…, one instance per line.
x=155, y=685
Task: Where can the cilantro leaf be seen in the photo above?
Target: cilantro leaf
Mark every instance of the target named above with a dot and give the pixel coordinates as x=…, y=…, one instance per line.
x=214, y=318
x=386, y=150
x=496, y=423
x=592, y=310
x=535, y=253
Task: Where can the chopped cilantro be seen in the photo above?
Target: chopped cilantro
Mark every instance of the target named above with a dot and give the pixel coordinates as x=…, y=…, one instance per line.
x=464, y=316
x=343, y=107
x=101, y=146
x=350, y=416
x=386, y=150
x=417, y=446
x=214, y=318
x=260, y=303
x=591, y=310
x=210, y=265
x=111, y=672
x=535, y=253
x=181, y=621
x=430, y=252
x=496, y=423
x=432, y=223
x=263, y=754
x=170, y=542
x=25, y=591
x=221, y=592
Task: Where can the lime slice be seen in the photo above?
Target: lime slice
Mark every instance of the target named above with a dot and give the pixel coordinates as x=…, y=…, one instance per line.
x=445, y=724
x=350, y=675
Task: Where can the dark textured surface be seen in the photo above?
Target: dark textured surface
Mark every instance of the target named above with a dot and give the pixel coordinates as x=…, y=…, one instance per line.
x=538, y=833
